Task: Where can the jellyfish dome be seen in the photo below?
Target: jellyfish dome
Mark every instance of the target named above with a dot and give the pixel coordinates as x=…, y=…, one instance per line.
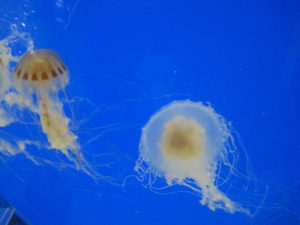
x=39, y=71
x=185, y=143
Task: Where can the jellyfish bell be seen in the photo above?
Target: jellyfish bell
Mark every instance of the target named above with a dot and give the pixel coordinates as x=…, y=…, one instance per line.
x=41, y=71
x=182, y=132
x=185, y=143
x=181, y=144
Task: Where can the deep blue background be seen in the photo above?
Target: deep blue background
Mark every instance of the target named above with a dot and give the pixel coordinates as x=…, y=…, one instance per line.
x=131, y=58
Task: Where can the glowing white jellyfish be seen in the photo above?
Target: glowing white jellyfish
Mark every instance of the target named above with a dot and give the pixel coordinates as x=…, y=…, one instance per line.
x=186, y=143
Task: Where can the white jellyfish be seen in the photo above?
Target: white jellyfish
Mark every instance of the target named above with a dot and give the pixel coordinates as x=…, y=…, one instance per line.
x=3, y=72
x=7, y=58
x=3, y=88
x=186, y=143
x=5, y=84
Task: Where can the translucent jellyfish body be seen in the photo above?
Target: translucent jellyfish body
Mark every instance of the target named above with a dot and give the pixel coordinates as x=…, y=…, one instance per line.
x=38, y=77
x=187, y=143
x=3, y=77
x=4, y=74
x=5, y=85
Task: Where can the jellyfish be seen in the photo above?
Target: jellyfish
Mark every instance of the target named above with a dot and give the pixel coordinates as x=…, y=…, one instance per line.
x=2, y=67
x=33, y=98
x=39, y=77
x=186, y=143
x=2, y=89
x=5, y=84
x=3, y=73
x=4, y=78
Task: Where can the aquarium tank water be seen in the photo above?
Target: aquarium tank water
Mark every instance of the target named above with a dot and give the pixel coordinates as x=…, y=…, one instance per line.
x=151, y=112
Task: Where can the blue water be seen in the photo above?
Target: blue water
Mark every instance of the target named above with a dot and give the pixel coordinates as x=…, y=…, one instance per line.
x=129, y=58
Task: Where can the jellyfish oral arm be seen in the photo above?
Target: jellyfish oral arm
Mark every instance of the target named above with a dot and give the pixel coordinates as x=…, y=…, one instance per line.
x=56, y=125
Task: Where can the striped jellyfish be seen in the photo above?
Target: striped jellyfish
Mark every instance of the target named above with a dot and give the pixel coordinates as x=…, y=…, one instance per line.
x=39, y=77
x=187, y=143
